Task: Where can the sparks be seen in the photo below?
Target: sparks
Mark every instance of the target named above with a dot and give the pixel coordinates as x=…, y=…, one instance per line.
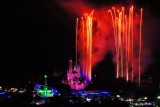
x=140, y=48
x=86, y=36
x=123, y=26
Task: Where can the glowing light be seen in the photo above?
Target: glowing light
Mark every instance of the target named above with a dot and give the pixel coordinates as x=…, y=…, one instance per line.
x=9, y=97
x=118, y=96
x=45, y=93
x=158, y=97
x=145, y=98
x=13, y=90
x=37, y=86
x=0, y=88
x=3, y=92
x=88, y=99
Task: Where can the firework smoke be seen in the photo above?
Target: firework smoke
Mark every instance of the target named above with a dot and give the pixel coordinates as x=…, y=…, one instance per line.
x=119, y=31
x=125, y=44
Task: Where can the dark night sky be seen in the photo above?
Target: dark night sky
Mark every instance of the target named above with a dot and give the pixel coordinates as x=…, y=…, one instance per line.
x=38, y=35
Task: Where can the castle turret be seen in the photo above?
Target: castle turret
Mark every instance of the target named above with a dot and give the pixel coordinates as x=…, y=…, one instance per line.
x=70, y=65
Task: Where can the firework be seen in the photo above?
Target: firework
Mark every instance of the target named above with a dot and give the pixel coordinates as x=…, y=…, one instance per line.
x=86, y=37
x=124, y=36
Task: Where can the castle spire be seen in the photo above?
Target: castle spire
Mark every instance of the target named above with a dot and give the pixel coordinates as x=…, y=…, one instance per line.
x=70, y=64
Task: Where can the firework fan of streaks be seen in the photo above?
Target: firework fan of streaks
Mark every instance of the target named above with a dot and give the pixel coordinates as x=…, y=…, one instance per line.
x=85, y=45
x=125, y=32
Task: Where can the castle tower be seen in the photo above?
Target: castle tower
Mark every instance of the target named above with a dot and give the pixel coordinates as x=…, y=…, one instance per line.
x=70, y=65
x=73, y=77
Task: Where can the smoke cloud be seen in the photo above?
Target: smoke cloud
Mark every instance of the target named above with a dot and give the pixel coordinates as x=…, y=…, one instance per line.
x=103, y=33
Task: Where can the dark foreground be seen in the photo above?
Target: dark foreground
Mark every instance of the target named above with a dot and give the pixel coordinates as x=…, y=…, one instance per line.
x=106, y=103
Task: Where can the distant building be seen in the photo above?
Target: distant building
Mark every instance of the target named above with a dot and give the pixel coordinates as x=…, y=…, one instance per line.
x=44, y=90
x=74, y=78
x=146, y=83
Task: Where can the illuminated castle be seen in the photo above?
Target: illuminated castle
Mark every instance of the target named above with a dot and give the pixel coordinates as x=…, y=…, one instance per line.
x=74, y=77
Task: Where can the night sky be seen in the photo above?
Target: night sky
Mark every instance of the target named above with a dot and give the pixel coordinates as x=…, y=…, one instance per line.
x=38, y=36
